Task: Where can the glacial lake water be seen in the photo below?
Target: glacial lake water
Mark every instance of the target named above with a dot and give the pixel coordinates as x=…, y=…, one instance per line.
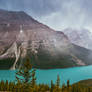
x=45, y=76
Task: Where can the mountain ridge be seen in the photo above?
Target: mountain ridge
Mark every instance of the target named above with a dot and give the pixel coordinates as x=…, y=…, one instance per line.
x=80, y=37
x=46, y=47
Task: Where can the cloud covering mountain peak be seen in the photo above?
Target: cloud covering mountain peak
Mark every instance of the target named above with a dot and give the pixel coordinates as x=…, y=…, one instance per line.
x=58, y=14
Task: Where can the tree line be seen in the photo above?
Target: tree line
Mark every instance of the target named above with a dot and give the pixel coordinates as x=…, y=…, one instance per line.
x=26, y=82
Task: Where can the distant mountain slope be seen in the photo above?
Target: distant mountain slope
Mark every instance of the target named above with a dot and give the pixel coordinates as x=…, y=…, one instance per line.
x=21, y=36
x=82, y=37
x=82, y=53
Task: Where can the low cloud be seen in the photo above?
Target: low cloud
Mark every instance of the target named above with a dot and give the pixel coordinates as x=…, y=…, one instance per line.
x=58, y=14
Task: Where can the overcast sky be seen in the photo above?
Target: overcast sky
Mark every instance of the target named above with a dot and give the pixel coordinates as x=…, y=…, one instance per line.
x=58, y=14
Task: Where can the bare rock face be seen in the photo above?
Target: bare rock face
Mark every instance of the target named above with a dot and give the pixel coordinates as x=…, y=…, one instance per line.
x=22, y=36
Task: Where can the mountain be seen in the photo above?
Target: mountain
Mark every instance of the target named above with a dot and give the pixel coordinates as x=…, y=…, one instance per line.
x=82, y=37
x=22, y=36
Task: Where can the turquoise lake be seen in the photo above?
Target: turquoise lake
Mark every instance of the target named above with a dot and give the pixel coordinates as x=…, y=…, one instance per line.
x=45, y=76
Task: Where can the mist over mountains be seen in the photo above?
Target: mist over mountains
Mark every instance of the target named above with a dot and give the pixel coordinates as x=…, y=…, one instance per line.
x=59, y=14
x=80, y=37
x=22, y=36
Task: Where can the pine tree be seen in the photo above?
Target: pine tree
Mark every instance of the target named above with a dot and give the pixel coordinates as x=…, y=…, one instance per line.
x=89, y=90
x=2, y=85
x=33, y=81
x=26, y=75
x=68, y=83
x=63, y=87
x=23, y=74
x=6, y=85
x=52, y=86
x=58, y=81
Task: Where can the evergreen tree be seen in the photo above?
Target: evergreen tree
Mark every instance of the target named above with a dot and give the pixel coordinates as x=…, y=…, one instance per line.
x=23, y=74
x=26, y=74
x=89, y=90
x=33, y=81
x=63, y=87
x=6, y=85
x=2, y=85
x=58, y=81
x=68, y=83
x=52, y=86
